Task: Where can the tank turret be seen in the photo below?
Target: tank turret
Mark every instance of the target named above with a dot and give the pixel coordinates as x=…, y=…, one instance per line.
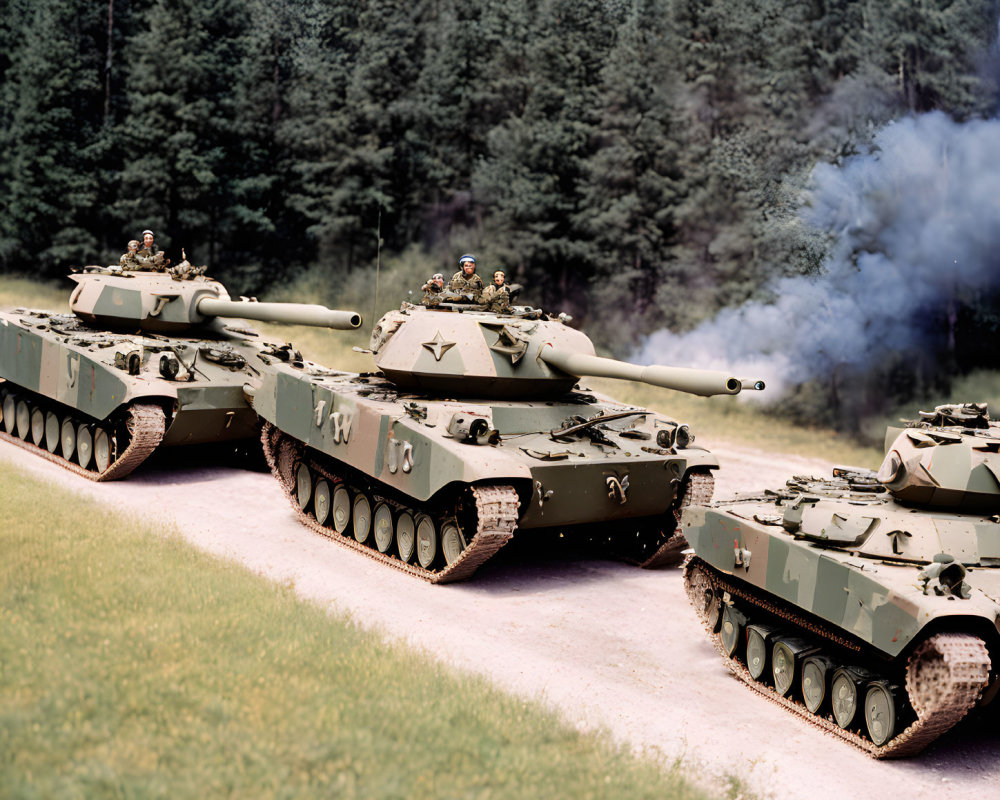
x=949, y=458
x=165, y=302
x=463, y=351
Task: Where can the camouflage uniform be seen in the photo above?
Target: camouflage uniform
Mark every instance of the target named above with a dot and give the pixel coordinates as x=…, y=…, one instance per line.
x=432, y=291
x=148, y=260
x=128, y=259
x=466, y=284
x=496, y=298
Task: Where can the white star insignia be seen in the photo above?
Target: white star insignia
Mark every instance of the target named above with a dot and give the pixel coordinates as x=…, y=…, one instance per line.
x=438, y=346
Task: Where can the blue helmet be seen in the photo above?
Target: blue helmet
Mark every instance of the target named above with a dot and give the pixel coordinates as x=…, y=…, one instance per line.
x=467, y=257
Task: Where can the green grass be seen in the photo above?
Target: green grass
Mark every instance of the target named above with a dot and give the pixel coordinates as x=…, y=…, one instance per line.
x=22, y=291
x=133, y=665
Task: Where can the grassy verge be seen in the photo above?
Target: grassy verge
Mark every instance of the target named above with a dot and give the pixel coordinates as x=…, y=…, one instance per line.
x=132, y=665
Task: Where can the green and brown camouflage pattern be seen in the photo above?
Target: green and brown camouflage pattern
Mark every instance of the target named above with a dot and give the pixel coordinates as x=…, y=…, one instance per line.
x=465, y=397
x=408, y=442
x=139, y=337
x=474, y=353
x=164, y=302
x=881, y=562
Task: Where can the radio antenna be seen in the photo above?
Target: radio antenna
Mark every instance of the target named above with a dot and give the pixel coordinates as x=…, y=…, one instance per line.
x=378, y=261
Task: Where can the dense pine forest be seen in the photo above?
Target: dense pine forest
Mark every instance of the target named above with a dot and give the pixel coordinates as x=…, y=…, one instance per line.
x=641, y=164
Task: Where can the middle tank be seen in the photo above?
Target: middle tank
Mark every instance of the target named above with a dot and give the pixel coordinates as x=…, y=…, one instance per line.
x=475, y=425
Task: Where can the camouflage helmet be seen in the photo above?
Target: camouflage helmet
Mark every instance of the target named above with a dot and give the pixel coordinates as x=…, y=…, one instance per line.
x=133, y=244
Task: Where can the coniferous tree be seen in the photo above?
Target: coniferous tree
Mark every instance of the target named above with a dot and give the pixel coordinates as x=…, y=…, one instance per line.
x=532, y=177
x=629, y=192
x=180, y=137
x=49, y=148
x=266, y=235
x=930, y=50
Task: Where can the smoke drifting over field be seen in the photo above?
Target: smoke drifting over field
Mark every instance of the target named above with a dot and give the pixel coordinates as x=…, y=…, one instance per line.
x=916, y=225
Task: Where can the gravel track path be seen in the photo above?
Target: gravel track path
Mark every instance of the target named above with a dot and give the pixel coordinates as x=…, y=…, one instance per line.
x=608, y=645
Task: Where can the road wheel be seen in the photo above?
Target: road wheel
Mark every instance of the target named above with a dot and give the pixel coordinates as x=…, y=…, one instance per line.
x=322, y=500
x=384, y=533
x=51, y=432
x=84, y=445
x=362, y=517
x=67, y=437
x=406, y=537
x=426, y=541
x=341, y=509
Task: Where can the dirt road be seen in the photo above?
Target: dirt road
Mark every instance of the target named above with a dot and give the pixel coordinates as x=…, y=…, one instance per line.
x=608, y=645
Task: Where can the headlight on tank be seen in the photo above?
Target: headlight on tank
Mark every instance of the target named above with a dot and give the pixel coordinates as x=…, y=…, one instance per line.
x=678, y=435
x=684, y=437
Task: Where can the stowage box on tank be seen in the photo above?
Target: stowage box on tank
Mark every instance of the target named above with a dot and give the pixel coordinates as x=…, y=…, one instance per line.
x=146, y=359
x=868, y=603
x=474, y=426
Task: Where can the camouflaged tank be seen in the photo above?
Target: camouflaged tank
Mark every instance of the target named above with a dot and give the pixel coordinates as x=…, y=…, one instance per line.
x=868, y=603
x=474, y=427
x=146, y=359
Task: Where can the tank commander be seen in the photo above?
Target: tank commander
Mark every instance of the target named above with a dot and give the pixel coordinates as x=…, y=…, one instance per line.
x=128, y=261
x=149, y=257
x=466, y=282
x=432, y=290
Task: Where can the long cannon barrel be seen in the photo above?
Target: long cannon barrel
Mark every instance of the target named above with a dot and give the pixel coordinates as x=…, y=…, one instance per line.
x=704, y=382
x=289, y=313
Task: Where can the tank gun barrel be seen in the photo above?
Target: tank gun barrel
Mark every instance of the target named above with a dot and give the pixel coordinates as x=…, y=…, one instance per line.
x=704, y=382
x=289, y=313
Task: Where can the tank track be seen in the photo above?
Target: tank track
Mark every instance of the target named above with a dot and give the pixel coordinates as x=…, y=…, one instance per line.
x=698, y=490
x=945, y=674
x=145, y=423
x=495, y=509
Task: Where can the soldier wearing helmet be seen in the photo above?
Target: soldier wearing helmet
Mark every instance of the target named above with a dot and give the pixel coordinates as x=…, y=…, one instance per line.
x=466, y=282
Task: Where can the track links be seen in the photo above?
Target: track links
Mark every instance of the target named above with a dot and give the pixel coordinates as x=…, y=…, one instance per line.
x=146, y=425
x=496, y=513
x=698, y=489
x=945, y=675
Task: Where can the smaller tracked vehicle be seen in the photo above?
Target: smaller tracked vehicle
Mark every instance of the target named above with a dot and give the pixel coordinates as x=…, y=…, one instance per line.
x=147, y=358
x=868, y=603
x=474, y=425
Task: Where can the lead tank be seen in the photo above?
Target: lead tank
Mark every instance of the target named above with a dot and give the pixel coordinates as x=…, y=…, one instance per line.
x=145, y=359
x=473, y=425
x=868, y=603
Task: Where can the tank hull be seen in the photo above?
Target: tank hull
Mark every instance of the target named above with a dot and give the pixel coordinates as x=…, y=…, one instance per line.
x=56, y=365
x=409, y=450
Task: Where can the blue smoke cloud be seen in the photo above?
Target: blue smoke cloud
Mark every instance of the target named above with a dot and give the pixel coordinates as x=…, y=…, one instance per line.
x=915, y=224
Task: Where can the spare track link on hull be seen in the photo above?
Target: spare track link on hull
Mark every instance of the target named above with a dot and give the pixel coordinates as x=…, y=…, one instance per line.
x=146, y=425
x=698, y=490
x=496, y=513
x=945, y=675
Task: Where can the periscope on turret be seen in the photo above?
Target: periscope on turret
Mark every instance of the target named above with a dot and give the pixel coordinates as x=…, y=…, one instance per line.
x=474, y=425
x=869, y=602
x=147, y=358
